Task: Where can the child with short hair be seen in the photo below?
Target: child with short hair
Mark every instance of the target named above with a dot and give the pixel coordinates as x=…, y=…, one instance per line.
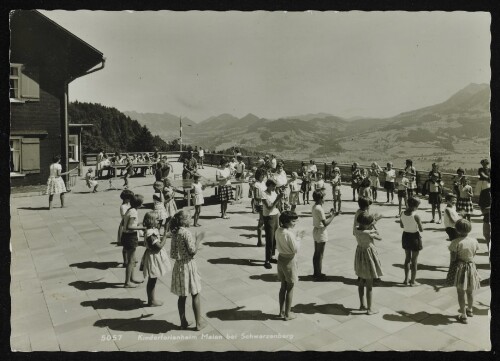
x=337, y=195
x=198, y=199
x=319, y=185
x=158, y=204
x=185, y=277
x=364, y=207
x=288, y=244
x=320, y=235
x=305, y=187
x=90, y=180
x=365, y=189
x=294, y=191
x=451, y=216
x=356, y=179
x=390, y=176
x=259, y=189
x=467, y=280
x=411, y=239
x=129, y=171
x=155, y=259
x=366, y=261
x=401, y=185
x=130, y=239
x=457, y=180
x=435, y=190
x=126, y=195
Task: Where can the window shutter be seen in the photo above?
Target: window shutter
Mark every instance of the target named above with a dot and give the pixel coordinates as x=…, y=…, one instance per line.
x=30, y=88
x=30, y=155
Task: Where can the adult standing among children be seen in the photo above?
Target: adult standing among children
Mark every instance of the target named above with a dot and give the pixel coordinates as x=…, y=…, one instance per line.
x=190, y=166
x=411, y=174
x=270, y=213
x=484, y=178
x=225, y=190
x=55, y=183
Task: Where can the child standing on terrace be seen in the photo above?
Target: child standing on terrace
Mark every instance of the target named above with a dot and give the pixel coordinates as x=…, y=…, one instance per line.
x=320, y=234
x=467, y=280
x=90, y=180
x=198, y=199
x=373, y=174
x=306, y=183
x=126, y=195
x=411, y=240
x=464, y=204
x=156, y=262
x=258, y=190
x=294, y=191
x=390, y=176
x=158, y=204
x=356, y=179
x=336, y=193
x=288, y=244
x=435, y=190
x=401, y=184
x=170, y=205
x=130, y=239
x=185, y=277
x=366, y=262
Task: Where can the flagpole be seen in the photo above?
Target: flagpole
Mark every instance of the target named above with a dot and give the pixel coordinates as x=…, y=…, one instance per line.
x=180, y=132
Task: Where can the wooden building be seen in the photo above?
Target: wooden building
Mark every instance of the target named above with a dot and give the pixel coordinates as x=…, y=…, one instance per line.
x=44, y=59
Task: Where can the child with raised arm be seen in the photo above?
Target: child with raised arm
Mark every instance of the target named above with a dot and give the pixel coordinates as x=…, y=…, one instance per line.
x=288, y=244
x=320, y=234
x=159, y=204
x=156, y=262
x=336, y=193
x=130, y=239
x=198, y=199
x=364, y=208
x=467, y=280
x=185, y=277
x=373, y=174
x=401, y=184
x=319, y=185
x=366, y=261
x=365, y=189
x=451, y=216
x=126, y=195
x=411, y=240
x=90, y=180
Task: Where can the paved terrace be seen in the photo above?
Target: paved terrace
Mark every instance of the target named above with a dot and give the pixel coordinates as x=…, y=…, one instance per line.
x=67, y=279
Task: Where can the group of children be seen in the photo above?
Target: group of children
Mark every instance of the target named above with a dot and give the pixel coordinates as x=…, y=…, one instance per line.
x=278, y=222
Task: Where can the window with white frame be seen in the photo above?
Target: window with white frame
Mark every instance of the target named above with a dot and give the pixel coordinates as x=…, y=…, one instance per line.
x=24, y=83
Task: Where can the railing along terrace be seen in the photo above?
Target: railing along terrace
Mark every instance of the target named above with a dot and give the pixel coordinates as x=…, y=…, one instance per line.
x=213, y=159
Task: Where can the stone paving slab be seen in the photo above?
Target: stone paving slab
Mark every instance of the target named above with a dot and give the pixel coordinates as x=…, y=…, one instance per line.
x=67, y=285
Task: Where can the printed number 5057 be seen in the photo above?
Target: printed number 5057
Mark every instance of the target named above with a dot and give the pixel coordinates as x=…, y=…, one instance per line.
x=111, y=337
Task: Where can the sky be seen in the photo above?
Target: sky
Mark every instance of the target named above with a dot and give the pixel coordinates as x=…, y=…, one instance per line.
x=277, y=64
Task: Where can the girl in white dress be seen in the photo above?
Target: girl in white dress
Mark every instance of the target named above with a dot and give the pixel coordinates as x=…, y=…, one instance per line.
x=198, y=199
x=55, y=184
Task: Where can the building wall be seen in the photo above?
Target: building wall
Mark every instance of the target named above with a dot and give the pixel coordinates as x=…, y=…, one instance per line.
x=40, y=115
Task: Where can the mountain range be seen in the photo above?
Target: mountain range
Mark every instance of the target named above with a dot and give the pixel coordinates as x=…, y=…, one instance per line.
x=457, y=129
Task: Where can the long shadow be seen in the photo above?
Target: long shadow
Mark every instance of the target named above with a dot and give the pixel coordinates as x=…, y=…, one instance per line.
x=485, y=266
x=227, y=244
x=209, y=217
x=137, y=324
x=245, y=228
x=81, y=192
x=236, y=314
x=350, y=281
x=424, y=318
x=327, y=309
x=94, y=285
x=424, y=267
x=266, y=277
x=236, y=261
x=119, y=304
x=239, y=212
x=96, y=265
x=248, y=236
x=485, y=282
x=482, y=240
x=348, y=213
x=436, y=284
x=34, y=208
x=482, y=254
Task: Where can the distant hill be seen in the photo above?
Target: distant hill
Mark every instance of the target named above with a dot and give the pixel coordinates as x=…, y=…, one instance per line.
x=454, y=131
x=113, y=131
x=165, y=125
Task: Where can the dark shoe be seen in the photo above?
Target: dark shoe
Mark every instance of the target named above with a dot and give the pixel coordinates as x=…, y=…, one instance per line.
x=273, y=260
x=462, y=319
x=469, y=313
x=268, y=265
x=259, y=244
